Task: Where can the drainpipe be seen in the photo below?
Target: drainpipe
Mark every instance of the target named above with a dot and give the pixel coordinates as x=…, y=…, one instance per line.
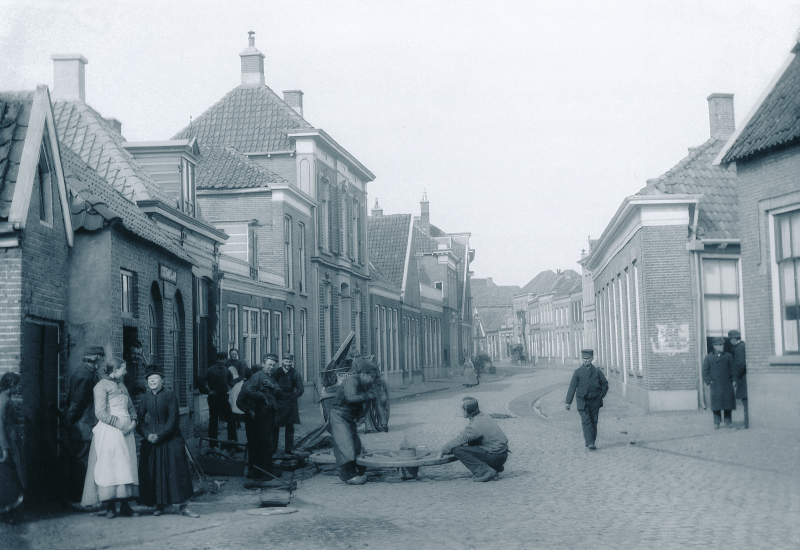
x=696, y=248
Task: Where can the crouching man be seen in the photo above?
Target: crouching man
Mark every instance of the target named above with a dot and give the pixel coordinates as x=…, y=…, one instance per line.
x=482, y=446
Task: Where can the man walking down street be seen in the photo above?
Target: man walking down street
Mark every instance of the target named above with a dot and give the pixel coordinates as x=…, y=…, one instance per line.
x=740, y=372
x=288, y=414
x=482, y=446
x=718, y=375
x=590, y=386
x=216, y=383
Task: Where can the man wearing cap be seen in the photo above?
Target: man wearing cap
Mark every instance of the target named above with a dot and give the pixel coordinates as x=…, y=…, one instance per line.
x=259, y=400
x=590, y=386
x=352, y=394
x=718, y=375
x=79, y=418
x=288, y=413
x=216, y=382
x=740, y=371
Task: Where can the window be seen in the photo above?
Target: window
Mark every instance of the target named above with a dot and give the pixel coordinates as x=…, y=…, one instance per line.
x=345, y=222
x=250, y=336
x=127, y=293
x=278, y=328
x=377, y=342
x=233, y=327
x=202, y=306
x=787, y=256
x=303, y=359
x=187, y=199
x=287, y=250
x=396, y=342
x=176, y=359
x=301, y=249
x=721, y=296
x=237, y=244
x=266, y=346
x=360, y=237
x=290, y=330
x=44, y=177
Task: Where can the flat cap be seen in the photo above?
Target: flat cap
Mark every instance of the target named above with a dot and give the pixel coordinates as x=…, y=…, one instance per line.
x=717, y=341
x=587, y=353
x=94, y=350
x=271, y=356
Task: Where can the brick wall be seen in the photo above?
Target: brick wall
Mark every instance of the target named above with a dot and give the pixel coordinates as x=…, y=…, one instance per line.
x=10, y=308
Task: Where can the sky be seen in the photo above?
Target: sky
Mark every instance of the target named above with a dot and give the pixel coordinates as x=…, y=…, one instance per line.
x=527, y=122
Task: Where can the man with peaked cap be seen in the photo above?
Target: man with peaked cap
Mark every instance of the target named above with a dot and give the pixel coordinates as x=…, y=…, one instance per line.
x=259, y=399
x=590, y=386
x=288, y=412
x=79, y=418
x=740, y=371
x=718, y=375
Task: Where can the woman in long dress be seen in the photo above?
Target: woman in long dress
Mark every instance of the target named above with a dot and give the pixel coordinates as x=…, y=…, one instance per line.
x=470, y=374
x=11, y=489
x=112, y=475
x=164, y=474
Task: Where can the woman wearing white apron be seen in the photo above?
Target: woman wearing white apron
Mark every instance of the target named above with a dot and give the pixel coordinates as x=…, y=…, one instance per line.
x=239, y=372
x=112, y=474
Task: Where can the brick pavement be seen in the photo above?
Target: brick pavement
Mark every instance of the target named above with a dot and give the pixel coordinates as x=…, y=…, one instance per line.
x=553, y=494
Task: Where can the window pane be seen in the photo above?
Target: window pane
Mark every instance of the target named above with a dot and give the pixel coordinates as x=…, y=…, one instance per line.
x=253, y=321
x=790, y=336
x=730, y=314
x=795, y=222
x=788, y=286
x=786, y=241
x=711, y=273
x=714, y=314
x=245, y=323
x=730, y=283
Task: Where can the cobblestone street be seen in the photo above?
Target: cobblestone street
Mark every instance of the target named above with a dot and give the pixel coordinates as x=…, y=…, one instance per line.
x=679, y=485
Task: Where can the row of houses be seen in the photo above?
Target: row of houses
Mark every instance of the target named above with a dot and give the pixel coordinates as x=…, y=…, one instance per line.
x=247, y=229
x=707, y=247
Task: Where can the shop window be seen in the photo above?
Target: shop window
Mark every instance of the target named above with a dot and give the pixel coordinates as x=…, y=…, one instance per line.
x=787, y=256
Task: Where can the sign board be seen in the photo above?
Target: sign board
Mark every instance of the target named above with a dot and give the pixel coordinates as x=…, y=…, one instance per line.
x=167, y=273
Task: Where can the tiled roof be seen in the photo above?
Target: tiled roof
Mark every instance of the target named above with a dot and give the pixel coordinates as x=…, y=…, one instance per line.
x=249, y=119
x=423, y=243
x=378, y=275
x=226, y=168
x=718, y=214
x=776, y=122
x=565, y=286
x=486, y=294
x=15, y=110
x=93, y=202
x=88, y=135
x=539, y=284
x=388, y=244
x=492, y=318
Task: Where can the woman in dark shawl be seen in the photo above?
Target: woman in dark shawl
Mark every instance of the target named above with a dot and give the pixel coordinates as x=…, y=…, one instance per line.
x=164, y=477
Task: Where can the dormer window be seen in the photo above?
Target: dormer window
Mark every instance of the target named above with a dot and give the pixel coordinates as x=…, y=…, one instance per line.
x=186, y=201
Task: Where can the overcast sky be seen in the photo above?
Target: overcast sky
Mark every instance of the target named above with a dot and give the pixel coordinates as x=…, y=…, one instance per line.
x=527, y=122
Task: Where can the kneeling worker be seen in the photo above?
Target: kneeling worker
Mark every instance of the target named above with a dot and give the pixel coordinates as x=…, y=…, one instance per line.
x=352, y=394
x=482, y=446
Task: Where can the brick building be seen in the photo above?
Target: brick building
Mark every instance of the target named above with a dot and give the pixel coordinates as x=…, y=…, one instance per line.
x=493, y=309
x=766, y=157
x=322, y=196
x=666, y=276
x=35, y=240
x=554, y=330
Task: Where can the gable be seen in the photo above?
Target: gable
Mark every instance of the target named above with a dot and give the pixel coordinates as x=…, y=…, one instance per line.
x=26, y=129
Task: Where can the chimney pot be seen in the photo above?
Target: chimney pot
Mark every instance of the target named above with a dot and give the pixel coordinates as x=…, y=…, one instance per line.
x=115, y=124
x=252, y=63
x=294, y=98
x=720, y=115
x=69, y=71
x=425, y=212
x=377, y=210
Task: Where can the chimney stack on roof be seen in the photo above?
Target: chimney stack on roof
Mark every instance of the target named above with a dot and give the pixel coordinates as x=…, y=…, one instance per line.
x=69, y=82
x=252, y=63
x=115, y=124
x=377, y=210
x=294, y=99
x=425, y=213
x=720, y=114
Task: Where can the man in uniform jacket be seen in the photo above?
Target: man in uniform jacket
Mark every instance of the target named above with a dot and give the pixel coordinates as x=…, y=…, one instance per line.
x=740, y=371
x=259, y=401
x=216, y=382
x=590, y=386
x=718, y=374
x=481, y=446
x=288, y=414
x=79, y=418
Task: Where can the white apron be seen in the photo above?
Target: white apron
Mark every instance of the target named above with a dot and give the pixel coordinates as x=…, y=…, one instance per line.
x=116, y=453
x=233, y=395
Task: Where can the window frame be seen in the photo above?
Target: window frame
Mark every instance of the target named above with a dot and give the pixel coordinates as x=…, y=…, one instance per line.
x=233, y=328
x=130, y=313
x=250, y=335
x=287, y=251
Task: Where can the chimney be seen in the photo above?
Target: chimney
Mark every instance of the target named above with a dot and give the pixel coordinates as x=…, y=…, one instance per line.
x=377, y=210
x=69, y=82
x=252, y=63
x=425, y=212
x=294, y=98
x=115, y=124
x=489, y=281
x=720, y=114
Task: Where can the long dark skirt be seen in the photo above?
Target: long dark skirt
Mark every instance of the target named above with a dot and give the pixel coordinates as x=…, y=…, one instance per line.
x=164, y=476
x=10, y=486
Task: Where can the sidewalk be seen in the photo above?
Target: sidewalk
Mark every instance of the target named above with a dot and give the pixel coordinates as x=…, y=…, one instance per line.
x=685, y=433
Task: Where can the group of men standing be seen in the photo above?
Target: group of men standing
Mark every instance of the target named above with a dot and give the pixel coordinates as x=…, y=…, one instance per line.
x=264, y=396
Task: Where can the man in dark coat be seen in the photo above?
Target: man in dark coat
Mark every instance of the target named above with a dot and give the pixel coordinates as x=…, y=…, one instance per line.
x=740, y=371
x=718, y=375
x=216, y=382
x=79, y=418
x=590, y=386
x=259, y=400
x=288, y=413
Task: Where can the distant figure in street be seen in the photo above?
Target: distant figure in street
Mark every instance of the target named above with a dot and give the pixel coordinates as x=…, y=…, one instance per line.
x=590, y=386
x=718, y=375
x=351, y=396
x=216, y=382
x=288, y=413
x=259, y=399
x=740, y=371
x=470, y=374
x=482, y=446
x=164, y=477
x=79, y=418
